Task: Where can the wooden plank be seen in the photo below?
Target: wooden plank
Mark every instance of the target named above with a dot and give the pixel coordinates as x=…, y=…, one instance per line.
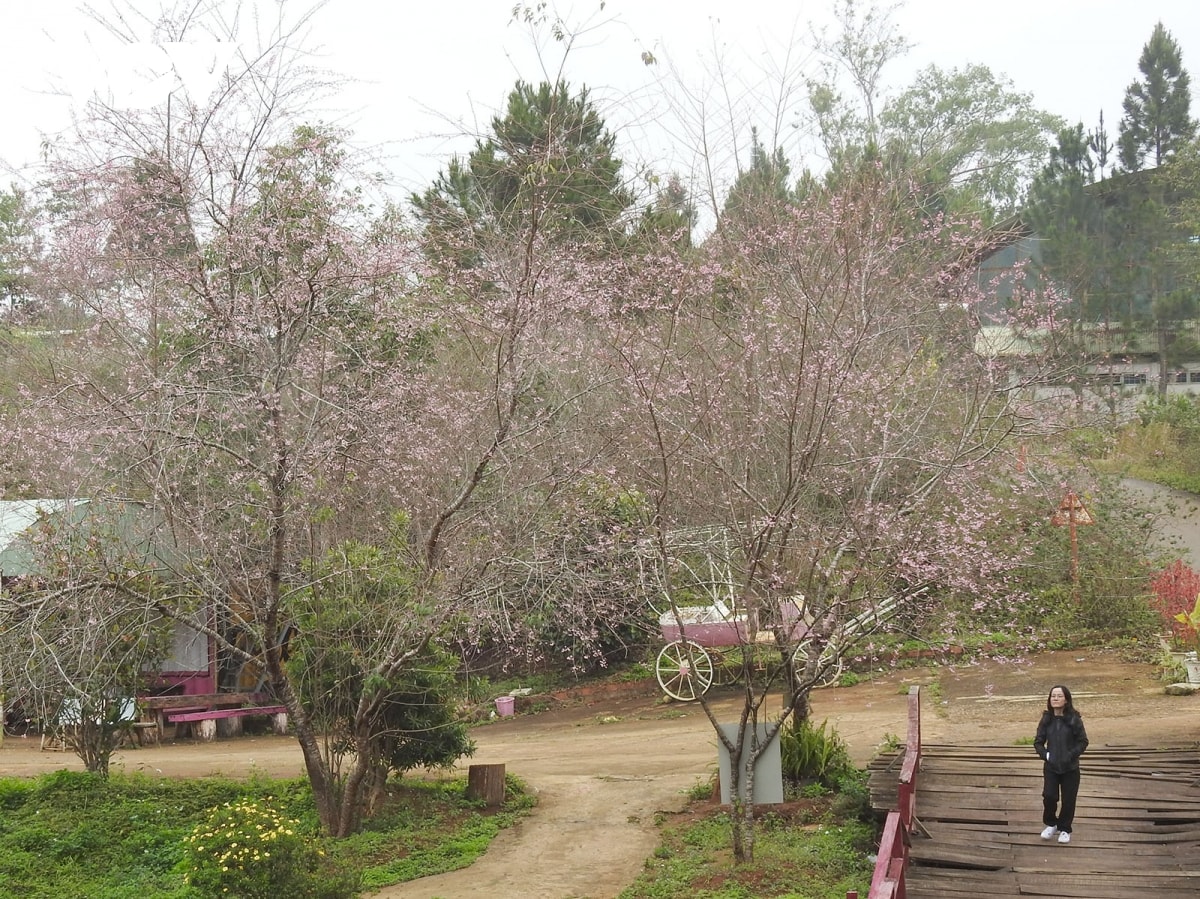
x=938, y=853
x=213, y=714
x=198, y=700
x=1137, y=829
x=1009, y=886
x=1090, y=886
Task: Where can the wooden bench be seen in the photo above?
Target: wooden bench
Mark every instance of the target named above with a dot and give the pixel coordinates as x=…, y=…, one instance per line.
x=162, y=720
x=159, y=707
x=138, y=732
x=205, y=720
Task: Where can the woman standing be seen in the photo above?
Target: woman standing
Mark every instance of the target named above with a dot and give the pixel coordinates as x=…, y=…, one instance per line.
x=1060, y=741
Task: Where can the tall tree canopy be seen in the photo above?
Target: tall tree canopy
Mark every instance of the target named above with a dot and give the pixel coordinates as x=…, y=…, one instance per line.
x=267, y=366
x=1070, y=219
x=762, y=187
x=973, y=141
x=17, y=248
x=970, y=136
x=548, y=165
x=1157, y=108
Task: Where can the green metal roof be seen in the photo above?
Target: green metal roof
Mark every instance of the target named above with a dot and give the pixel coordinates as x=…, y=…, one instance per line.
x=17, y=519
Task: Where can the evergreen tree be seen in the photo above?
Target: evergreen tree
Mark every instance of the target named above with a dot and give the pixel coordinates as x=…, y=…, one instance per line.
x=1100, y=146
x=1157, y=108
x=17, y=241
x=1071, y=223
x=1137, y=255
x=1183, y=178
x=671, y=213
x=548, y=167
x=762, y=186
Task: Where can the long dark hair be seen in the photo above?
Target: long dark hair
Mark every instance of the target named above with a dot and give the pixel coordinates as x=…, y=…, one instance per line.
x=1069, y=708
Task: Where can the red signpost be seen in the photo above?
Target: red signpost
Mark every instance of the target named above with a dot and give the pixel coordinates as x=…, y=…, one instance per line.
x=1071, y=514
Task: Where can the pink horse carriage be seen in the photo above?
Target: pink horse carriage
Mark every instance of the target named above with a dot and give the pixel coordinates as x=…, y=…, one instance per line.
x=696, y=635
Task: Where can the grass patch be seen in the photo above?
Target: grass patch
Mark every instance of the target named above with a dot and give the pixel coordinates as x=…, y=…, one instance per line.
x=73, y=834
x=803, y=848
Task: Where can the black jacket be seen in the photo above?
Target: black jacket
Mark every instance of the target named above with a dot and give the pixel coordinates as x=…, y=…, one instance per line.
x=1063, y=738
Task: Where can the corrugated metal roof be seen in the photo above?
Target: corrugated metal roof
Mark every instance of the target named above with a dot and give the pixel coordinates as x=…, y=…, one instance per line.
x=18, y=516
x=992, y=341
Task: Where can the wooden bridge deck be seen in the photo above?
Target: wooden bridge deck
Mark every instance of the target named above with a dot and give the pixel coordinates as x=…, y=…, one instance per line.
x=1136, y=833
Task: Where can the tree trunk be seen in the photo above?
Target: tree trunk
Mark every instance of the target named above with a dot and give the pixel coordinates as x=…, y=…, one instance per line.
x=737, y=821
x=315, y=766
x=350, y=814
x=374, y=790
x=486, y=782
x=801, y=707
x=1163, y=367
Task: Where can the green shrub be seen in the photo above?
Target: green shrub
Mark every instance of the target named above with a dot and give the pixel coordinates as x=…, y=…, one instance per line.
x=849, y=679
x=13, y=792
x=811, y=753
x=247, y=849
x=853, y=795
x=702, y=789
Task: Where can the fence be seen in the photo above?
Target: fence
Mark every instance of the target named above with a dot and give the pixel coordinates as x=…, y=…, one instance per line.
x=891, y=866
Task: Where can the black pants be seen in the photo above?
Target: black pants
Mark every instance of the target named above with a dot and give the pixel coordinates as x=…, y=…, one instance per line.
x=1066, y=784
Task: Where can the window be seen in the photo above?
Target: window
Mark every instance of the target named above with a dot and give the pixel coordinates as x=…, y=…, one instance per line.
x=1125, y=379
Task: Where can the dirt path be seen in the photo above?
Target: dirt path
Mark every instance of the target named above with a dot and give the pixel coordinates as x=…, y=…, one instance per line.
x=603, y=769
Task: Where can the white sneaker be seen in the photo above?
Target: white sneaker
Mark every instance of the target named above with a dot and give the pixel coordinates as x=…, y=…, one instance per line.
x=1049, y=833
x=1064, y=837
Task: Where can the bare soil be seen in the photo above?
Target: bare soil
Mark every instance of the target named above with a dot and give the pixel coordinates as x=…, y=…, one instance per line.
x=605, y=764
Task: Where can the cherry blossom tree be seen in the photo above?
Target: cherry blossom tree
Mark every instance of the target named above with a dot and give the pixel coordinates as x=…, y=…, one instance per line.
x=808, y=389
x=262, y=360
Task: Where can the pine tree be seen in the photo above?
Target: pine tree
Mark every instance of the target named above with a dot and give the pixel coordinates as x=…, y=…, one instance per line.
x=1157, y=117
x=547, y=167
x=1071, y=223
x=762, y=186
x=673, y=212
x=1100, y=146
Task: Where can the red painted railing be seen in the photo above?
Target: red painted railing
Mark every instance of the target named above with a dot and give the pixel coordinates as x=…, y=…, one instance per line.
x=892, y=863
x=907, y=797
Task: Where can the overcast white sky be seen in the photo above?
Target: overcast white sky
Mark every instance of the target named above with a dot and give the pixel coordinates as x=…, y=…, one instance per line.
x=421, y=67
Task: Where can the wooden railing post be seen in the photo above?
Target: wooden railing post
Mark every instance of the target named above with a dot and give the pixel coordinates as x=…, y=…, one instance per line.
x=907, y=794
x=891, y=865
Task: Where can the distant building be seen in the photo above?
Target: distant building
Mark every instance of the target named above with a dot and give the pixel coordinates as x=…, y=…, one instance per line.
x=1101, y=368
x=190, y=668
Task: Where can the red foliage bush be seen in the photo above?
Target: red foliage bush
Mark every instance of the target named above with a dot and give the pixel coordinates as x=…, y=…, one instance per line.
x=1175, y=590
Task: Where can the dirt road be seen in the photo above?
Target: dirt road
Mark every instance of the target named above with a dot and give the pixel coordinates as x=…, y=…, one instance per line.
x=603, y=768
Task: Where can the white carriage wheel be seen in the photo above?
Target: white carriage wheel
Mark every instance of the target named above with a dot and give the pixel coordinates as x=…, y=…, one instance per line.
x=684, y=670
x=829, y=665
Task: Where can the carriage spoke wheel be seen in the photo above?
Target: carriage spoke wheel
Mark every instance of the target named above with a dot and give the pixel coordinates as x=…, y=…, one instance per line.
x=684, y=670
x=829, y=665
